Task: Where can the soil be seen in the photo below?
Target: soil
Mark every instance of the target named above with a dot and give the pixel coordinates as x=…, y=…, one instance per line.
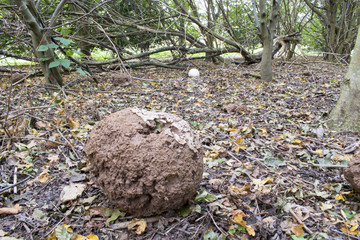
x=273, y=169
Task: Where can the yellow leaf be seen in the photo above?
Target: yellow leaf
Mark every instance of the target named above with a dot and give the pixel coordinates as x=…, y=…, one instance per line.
x=139, y=225
x=346, y=157
x=34, y=131
x=232, y=129
x=53, y=234
x=240, y=140
x=348, y=231
x=339, y=197
x=238, y=216
x=237, y=148
x=353, y=228
x=80, y=237
x=242, y=191
x=267, y=180
x=320, y=152
x=250, y=230
x=44, y=176
x=297, y=141
x=93, y=237
x=73, y=122
x=298, y=229
x=325, y=206
x=278, y=138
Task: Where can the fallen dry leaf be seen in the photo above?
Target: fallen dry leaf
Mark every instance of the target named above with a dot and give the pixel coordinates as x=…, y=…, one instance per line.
x=11, y=211
x=72, y=191
x=139, y=225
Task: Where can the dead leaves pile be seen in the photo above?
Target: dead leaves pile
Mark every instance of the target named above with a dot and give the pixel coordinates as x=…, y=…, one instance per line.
x=271, y=164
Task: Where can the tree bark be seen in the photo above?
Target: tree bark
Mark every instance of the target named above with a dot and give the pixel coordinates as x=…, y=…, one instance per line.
x=346, y=113
x=29, y=15
x=267, y=34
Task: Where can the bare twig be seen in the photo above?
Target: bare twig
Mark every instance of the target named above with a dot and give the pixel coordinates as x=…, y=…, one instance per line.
x=15, y=184
x=301, y=222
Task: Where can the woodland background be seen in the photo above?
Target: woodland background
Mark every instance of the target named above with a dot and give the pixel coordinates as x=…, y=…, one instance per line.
x=270, y=74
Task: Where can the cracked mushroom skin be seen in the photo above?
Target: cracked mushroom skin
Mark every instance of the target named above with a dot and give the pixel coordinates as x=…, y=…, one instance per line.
x=146, y=162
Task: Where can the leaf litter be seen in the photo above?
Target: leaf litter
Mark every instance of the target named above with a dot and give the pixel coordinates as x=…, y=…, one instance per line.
x=272, y=167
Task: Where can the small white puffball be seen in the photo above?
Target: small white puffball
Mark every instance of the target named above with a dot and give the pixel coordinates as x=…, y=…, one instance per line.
x=194, y=73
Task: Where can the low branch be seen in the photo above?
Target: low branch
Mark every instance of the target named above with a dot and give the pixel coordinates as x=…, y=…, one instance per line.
x=9, y=54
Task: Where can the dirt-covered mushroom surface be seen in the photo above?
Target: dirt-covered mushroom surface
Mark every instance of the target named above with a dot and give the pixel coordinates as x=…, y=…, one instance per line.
x=146, y=162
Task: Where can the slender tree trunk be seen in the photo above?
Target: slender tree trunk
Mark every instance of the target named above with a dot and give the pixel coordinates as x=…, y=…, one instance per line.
x=267, y=30
x=331, y=41
x=29, y=15
x=346, y=113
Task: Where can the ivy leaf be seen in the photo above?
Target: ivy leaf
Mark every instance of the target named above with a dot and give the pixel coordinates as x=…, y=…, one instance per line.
x=63, y=233
x=82, y=72
x=52, y=45
x=55, y=63
x=184, y=211
x=274, y=161
x=204, y=196
x=64, y=41
x=43, y=59
x=115, y=214
x=79, y=53
x=65, y=63
x=43, y=48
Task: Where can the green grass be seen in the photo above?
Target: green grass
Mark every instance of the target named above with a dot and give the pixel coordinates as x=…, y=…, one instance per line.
x=6, y=62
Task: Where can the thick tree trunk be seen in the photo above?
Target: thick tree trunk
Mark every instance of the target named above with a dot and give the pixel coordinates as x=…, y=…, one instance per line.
x=346, y=113
x=267, y=34
x=29, y=15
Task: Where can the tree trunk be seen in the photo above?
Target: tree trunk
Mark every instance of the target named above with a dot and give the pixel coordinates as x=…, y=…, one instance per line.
x=267, y=34
x=346, y=113
x=29, y=15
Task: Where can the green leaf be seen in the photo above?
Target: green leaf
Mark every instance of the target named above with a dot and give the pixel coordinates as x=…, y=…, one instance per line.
x=298, y=238
x=274, y=161
x=65, y=63
x=52, y=45
x=64, y=31
x=196, y=208
x=55, y=63
x=82, y=72
x=79, y=53
x=43, y=59
x=184, y=211
x=72, y=155
x=210, y=235
x=204, y=196
x=64, y=41
x=63, y=234
x=115, y=214
x=158, y=124
x=69, y=52
x=349, y=214
x=43, y=48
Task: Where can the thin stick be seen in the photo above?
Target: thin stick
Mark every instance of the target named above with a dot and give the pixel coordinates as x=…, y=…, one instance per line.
x=213, y=220
x=301, y=222
x=12, y=185
x=15, y=180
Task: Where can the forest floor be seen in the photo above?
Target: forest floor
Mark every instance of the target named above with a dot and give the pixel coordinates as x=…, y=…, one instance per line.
x=273, y=169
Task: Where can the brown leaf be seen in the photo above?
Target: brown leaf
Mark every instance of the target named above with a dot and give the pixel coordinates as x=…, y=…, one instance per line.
x=14, y=210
